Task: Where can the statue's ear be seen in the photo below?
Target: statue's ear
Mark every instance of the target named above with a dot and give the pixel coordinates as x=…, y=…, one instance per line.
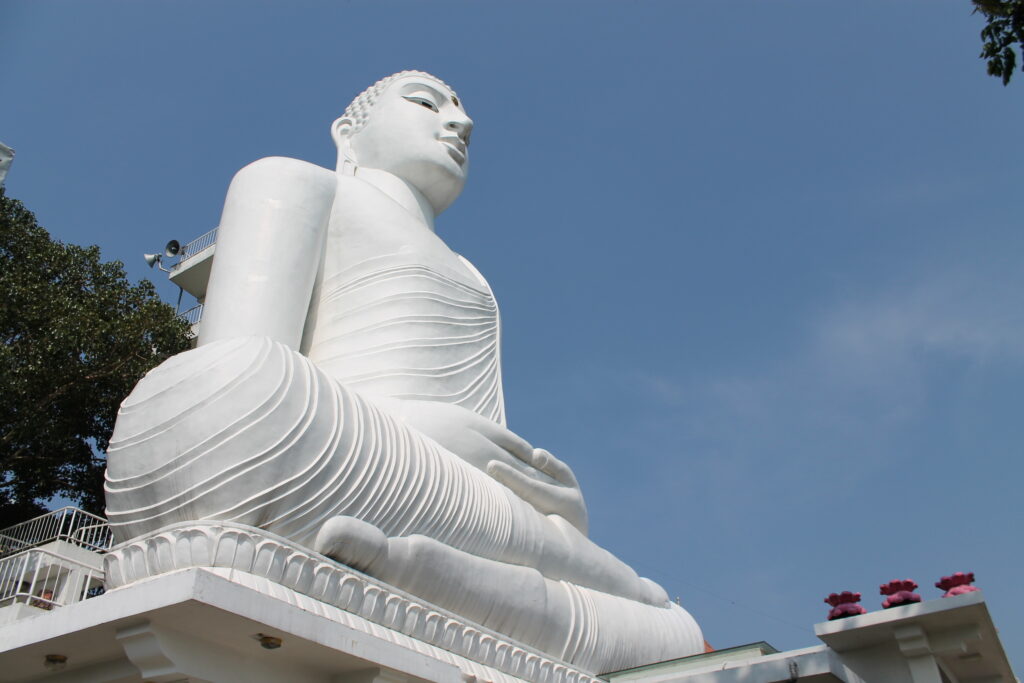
x=340, y=130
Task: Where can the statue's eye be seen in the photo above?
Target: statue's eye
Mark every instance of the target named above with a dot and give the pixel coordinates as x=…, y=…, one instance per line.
x=455, y=100
x=422, y=101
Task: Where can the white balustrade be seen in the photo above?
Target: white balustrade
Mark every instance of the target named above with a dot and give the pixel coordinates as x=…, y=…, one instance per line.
x=66, y=524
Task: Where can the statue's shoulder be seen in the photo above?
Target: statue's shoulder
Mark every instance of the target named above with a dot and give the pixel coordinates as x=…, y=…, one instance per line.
x=285, y=167
x=293, y=177
x=354, y=187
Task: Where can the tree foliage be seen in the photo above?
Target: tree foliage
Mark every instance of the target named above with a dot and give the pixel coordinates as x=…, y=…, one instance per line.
x=76, y=338
x=1004, y=29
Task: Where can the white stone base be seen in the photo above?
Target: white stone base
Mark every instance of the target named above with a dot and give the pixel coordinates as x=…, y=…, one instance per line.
x=189, y=603
x=204, y=624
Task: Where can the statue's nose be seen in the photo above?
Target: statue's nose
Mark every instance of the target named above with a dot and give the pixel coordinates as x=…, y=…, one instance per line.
x=462, y=126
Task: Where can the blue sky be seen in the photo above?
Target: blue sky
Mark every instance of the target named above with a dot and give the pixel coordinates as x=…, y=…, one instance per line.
x=759, y=263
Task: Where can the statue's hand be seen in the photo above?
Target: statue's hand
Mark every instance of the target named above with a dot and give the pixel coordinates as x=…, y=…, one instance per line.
x=563, y=498
x=470, y=436
x=536, y=476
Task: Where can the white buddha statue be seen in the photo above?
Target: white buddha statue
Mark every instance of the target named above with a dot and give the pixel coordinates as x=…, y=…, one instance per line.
x=346, y=394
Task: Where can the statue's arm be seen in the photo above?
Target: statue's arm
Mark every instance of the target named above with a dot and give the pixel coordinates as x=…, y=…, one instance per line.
x=269, y=247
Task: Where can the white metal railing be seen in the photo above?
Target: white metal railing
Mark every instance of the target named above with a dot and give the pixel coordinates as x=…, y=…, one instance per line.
x=197, y=245
x=193, y=315
x=96, y=537
x=66, y=524
x=44, y=579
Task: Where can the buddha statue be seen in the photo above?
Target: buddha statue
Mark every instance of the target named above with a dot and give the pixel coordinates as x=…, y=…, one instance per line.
x=346, y=394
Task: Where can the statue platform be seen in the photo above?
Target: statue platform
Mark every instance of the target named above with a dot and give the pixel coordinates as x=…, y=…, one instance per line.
x=193, y=601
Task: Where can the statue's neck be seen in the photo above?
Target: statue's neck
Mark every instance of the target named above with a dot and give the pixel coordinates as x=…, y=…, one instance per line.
x=401, y=192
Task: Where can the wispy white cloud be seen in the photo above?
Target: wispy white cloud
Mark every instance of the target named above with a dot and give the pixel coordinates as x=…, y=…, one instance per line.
x=973, y=316
x=860, y=371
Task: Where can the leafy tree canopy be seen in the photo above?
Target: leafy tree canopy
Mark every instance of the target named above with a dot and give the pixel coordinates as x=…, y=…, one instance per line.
x=1004, y=29
x=76, y=337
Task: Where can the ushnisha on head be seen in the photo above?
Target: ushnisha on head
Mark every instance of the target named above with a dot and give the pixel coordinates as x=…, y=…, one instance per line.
x=411, y=125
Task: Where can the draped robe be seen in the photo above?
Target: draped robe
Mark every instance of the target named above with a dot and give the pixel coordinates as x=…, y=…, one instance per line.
x=248, y=430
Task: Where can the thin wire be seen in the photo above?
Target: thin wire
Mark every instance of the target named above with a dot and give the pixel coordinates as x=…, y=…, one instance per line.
x=741, y=606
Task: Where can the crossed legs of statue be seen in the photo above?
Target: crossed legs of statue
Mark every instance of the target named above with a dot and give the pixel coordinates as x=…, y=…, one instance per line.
x=247, y=430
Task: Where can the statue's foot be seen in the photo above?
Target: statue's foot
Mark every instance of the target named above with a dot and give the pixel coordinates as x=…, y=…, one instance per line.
x=352, y=541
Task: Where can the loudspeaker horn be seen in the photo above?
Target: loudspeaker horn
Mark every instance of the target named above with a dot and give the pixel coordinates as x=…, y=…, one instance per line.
x=172, y=248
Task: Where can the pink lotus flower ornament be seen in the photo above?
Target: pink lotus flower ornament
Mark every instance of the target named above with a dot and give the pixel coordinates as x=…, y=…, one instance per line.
x=844, y=605
x=957, y=584
x=899, y=592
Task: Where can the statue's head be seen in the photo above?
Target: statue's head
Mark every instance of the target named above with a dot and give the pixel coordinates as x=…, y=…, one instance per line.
x=412, y=125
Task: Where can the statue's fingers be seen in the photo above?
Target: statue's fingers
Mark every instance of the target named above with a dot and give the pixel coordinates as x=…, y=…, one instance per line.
x=553, y=467
x=540, y=495
x=511, y=442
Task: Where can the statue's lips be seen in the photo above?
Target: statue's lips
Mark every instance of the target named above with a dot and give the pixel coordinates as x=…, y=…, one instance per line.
x=456, y=149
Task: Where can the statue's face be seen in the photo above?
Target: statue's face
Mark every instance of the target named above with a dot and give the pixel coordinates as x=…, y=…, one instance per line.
x=419, y=132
